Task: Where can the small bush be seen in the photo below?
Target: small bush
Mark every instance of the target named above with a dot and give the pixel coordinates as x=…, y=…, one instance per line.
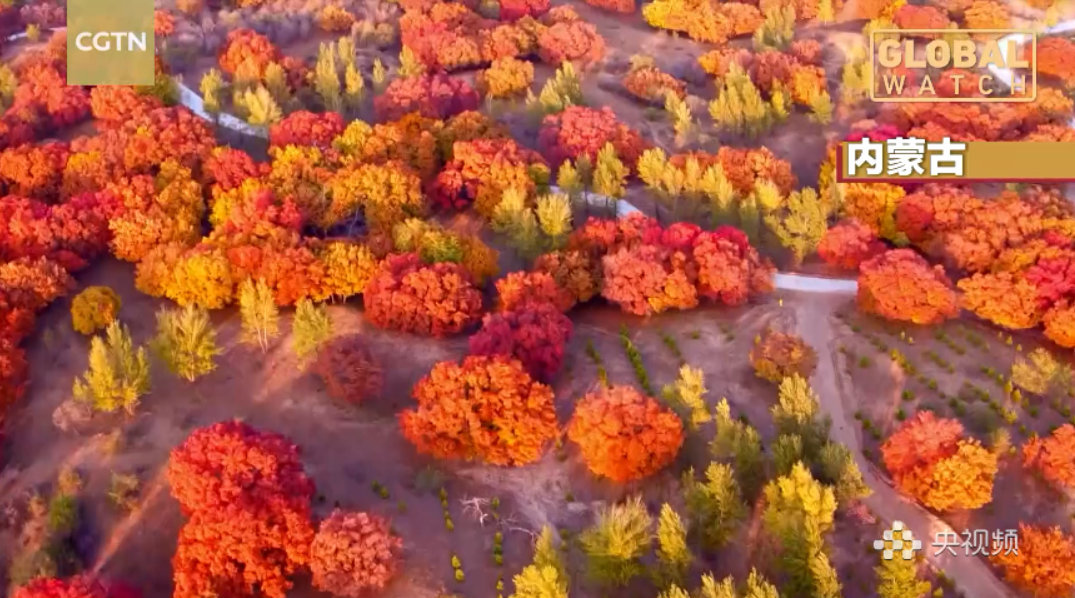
x=94, y=309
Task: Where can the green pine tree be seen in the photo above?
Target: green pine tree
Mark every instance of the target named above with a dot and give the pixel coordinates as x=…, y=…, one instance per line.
x=674, y=591
x=259, y=314
x=898, y=578
x=8, y=83
x=615, y=543
x=379, y=76
x=554, y=215
x=715, y=505
x=721, y=195
x=799, y=512
x=567, y=178
x=797, y=413
x=563, y=89
x=787, y=452
x=687, y=397
x=740, y=443
x=836, y=466
x=799, y=224
x=739, y=107
x=186, y=341
x=672, y=552
x=118, y=374
x=276, y=83
x=310, y=328
x=354, y=87
x=750, y=217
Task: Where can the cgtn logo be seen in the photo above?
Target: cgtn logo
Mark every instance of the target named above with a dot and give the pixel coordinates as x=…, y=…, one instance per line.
x=101, y=41
x=953, y=65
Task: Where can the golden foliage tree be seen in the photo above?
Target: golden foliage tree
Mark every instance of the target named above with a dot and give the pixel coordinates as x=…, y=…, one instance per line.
x=118, y=374
x=186, y=341
x=258, y=312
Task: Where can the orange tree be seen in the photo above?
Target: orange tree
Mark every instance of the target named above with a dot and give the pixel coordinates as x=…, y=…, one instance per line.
x=1043, y=565
x=624, y=435
x=353, y=554
x=930, y=459
x=1053, y=456
x=432, y=299
x=778, y=355
x=75, y=587
x=485, y=408
x=849, y=243
x=900, y=285
x=347, y=368
x=520, y=289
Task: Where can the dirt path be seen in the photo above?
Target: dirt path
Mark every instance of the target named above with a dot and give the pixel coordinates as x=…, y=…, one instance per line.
x=971, y=576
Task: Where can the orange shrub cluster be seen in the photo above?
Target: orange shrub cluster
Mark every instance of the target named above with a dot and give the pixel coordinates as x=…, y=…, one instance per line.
x=1043, y=565
x=1056, y=57
x=334, y=19
x=704, y=20
x=1053, y=456
x=970, y=121
x=485, y=408
x=82, y=586
x=155, y=211
x=624, y=435
x=432, y=95
x=900, y=285
x=519, y=290
x=247, y=500
x=451, y=36
x=354, y=554
x=930, y=459
x=481, y=170
x=778, y=355
x=987, y=14
x=621, y=6
x=432, y=299
x=797, y=70
x=387, y=193
x=303, y=127
x=93, y=309
x=744, y=167
x=249, y=50
x=114, y=104
x=848, y=243
x=348, y=369
x=576, y=272
x=909, y=16
x=534, y=334
x=71, y=233
x=506, y=77
x=581, y=131
x=651, y=84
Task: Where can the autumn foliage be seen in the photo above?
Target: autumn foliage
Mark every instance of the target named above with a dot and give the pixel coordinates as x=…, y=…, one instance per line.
x=93, y=309
x=778, y=355
x=348, y=369
x=486, y=408
x=624, y=435
x=535, y=334
x=248, y=502
x=76, y=587
x=704, y=20
x=247, y=49
x=848, y=243
x=931, y=460
x=353, y=554
x=303, y=127
x=519, y=290
x=506, y=77
x=432, y=299
x=574, y=271
x=651, y=84
x=900, y=285
x=481, y=170
x=1053, y=456
x=581, y=131
x=433, y=96
x=1043, y=565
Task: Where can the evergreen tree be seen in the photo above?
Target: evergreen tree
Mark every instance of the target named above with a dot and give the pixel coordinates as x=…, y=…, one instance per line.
x=327, y=78
x=826, y=583
x=672, y=552
x=259, y=314
x=755, y=587
x=513, y=218
x=798, y=513
x=1042, y=373
x=117, y=376
x=276, y=83
x=821, y=108
x=721, y=195
x=563, y=89
x=800, y=224
x=616, y=542
x=310, y=328
x=750, y=217
x=715, y=506
x=186, y=341
x=682, y=119
x=610, y=175
x=740, y=443
x=651, y=167
x=796, y=413
x=546, y=576
x=554, y=216
x=260, y=107
x=778, y=29
x=898, y=578
x=836, y=466
x=674, y=591
x=211, y=85
x=8, y=83
x=584, y=166
x=768, y=196
x=759, y=587
x=687, y=397
x=787, y=451
x=379, y=75
x=345, y=50
x=855, y=76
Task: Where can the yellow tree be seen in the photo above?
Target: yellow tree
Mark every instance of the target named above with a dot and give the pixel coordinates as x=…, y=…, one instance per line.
x=799, y=224
x=258, y=312
x=118, y=375
x=186, y=341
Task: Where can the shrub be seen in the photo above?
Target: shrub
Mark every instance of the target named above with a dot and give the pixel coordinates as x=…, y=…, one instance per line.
x=580, y=131
x=535, y=334
x=506, y=77
x=574, y=271
x=647, y=279
x=485, y=408
x=432, y=96
x=93, y=309
x=353, y=554
x=849, y=243
x=519, y=290
x=570, y=40
x=901, y=285
x=624, y=435
x=434, y=299
x=779, y=355
x=303, y=127
x=348, y=369
x=651, y=84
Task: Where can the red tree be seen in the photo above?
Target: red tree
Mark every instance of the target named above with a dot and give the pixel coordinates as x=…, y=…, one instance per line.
x=1053, y=456
x=247, y=46
x=353, y=554
x=75, y=587
x=580, y=131
x=433, y=96
x=574, y=271
x=1004, y=298
x=486, y=408
x=306, y=128
x=348, y=369
x=624, y=435
x=900, y=285
x=535, y=335
x=849, y=243
x=1043, y=564
x=648, y=279
x=519, y=290
x=729, y=269
x=433, y=299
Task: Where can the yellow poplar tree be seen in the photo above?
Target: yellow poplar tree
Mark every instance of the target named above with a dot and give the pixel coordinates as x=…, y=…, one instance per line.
x=259, y=314
x=118, y=374
x=186, y=341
